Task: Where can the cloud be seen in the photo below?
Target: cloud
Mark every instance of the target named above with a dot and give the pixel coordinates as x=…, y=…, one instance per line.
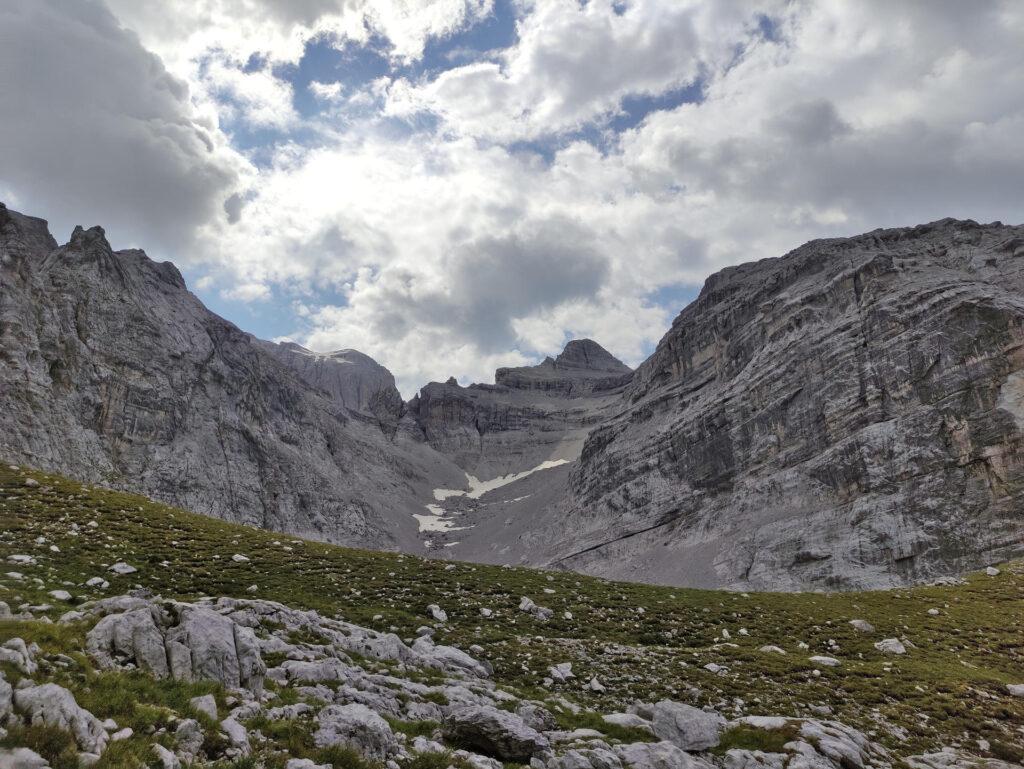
x=575, y=62
x=326, y=91
x=861, y=115
x=469, y=252
x=183, y=31
x=254, y=96
x=476, y=214
x=95, y=129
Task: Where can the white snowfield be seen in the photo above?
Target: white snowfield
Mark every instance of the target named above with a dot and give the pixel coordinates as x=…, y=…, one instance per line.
x=441, y=520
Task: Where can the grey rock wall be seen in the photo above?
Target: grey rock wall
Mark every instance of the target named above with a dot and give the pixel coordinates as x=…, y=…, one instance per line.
x=848, y=415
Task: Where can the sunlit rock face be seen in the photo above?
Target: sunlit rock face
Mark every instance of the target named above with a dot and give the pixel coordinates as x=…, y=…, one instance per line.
x=113, y=372
x=848, y=415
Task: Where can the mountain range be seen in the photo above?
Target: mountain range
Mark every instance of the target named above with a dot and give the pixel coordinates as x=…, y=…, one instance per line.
x=849, y=415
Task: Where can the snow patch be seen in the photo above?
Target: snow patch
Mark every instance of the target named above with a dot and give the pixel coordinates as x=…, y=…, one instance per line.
x=439, y=518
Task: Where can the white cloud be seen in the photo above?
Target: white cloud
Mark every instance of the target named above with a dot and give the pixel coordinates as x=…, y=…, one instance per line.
x=261, y=99
x=474, y=254
x=183, y=31
x=575, y=62
x=863, y=115
x=247, y=292
x=326, y=91
x=451, y=252
x=95, y=130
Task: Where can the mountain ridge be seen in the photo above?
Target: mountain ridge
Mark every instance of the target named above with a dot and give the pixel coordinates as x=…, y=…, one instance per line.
x=730, y=457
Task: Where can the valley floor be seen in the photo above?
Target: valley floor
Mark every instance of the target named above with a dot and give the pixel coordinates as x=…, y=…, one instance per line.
x=963, y=643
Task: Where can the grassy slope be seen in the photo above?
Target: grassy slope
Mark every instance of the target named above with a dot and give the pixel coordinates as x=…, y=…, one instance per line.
x=948, y=690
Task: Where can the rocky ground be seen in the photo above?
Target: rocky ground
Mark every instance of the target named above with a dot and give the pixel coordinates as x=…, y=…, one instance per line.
x=139, y=635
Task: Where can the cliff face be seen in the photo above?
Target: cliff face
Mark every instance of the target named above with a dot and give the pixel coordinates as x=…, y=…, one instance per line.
x=113, y=372
x=516, y=440
x=347, y=377
x=849, y=415
x=531, y=414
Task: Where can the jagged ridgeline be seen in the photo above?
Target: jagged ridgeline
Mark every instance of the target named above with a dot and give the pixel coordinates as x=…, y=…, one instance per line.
x=849, y=415
x=136, y=635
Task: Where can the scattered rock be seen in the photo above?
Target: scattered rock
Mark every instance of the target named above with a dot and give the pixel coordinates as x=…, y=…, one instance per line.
x=188, y=737
x=862, y=625
x=54, y=705
x=658, y=755
x=122, y=568
x=437, y=613
x=166, y=758
x=829, y=662
x=304, y=763
x=950, y=758
x=540, y=612
x=686, y=726
x=205, y=704
x=22, y=758
x=237, y=735
x=629, y=720
x=6, y=698
x=495, y=733
x=20, y=654
x=537, y=717
x=891, y=646
x=561, y=672
x=357, y=727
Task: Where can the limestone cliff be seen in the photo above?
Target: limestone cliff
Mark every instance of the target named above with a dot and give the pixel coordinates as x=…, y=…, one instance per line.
x=111, y=371
x=848, y=415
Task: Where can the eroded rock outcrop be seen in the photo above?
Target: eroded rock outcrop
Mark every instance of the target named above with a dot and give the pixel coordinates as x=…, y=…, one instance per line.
x=184, y=641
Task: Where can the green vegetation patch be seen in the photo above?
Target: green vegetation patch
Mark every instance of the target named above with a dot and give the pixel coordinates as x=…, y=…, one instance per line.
x=642, y=642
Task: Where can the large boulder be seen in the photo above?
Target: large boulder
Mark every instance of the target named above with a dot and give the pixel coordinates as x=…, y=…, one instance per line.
x=685, y=726
x=205, y=644
x=658, y=755
x=188, y=642
x=357, y=727
x=54, y=705
x=450, y=658
x=495, y=733
x=133, y=635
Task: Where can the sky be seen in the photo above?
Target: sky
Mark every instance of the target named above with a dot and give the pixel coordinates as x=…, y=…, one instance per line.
x=455, y=185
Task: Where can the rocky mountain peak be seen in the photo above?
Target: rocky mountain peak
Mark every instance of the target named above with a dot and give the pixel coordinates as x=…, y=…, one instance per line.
x=351, y=378
x=86, y=238
x=583, y=367
x=588, y=354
